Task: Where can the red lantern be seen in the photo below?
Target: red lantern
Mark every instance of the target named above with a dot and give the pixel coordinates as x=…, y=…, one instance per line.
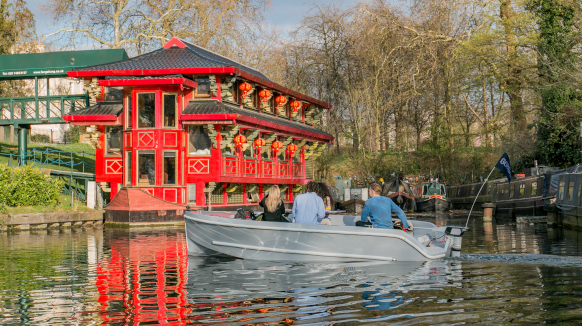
x=305, y=147
x=295, y=105
x=292, y=148
x=264, y=94
x=245, y=87
x=276, y=146
x=259, y=143
x=239, y=140
x=280, y=100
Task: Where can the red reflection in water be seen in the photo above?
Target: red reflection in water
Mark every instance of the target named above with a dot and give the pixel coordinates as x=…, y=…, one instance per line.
x=143, y=280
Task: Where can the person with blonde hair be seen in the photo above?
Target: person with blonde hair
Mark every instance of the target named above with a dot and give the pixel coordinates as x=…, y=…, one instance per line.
x=380, y=210
x=273, y=205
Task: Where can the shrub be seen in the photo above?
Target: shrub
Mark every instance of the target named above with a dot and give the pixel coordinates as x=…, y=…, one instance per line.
x=39, y=138
x=28, y=187
x=72, y=134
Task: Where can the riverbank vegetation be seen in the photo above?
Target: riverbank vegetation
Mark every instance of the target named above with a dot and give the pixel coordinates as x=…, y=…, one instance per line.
x=462, y=166
x=28, y=186
x=445, y=87
x=442, y=87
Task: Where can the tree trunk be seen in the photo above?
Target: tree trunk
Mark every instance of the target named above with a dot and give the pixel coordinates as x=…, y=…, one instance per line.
x=513, y=82
x=485, y=113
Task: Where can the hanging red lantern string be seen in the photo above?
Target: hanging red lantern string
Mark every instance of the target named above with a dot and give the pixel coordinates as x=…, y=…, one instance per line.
x=276, y=146
x=280, y=100
x=245, y=87
x=295, y=105
x=259, y=143
x=304, y=148
x=264, y=94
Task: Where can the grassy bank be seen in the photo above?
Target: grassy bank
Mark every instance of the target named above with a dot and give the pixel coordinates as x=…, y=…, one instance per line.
x=81, y=153
x=64, y=205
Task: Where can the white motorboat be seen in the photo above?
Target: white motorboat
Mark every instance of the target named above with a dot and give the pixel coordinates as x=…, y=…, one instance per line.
x=211, y=233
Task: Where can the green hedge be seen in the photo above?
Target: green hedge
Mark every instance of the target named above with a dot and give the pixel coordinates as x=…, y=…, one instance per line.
x=28, y=187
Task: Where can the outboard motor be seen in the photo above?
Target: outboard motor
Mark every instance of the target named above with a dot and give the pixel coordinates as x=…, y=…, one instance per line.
x=456, y=234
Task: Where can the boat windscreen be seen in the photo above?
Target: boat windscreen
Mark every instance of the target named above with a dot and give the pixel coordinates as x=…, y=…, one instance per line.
x=430, y=189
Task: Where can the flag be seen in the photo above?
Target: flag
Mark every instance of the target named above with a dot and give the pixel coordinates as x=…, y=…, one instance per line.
x=504, y=166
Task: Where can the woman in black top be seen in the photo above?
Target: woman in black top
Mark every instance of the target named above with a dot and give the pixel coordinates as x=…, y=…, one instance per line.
x=274, y=206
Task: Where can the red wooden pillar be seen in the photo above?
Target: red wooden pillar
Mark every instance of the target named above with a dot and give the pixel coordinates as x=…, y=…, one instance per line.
x=200, y=194
x=224, y=194
x=244, y=191
x=275, y=161
x=114, y=186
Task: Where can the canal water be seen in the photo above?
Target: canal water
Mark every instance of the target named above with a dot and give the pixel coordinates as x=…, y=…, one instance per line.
x=507, y=274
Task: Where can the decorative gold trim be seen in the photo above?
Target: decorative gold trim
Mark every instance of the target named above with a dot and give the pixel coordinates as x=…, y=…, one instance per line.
x=227, y=91
x=213, y=85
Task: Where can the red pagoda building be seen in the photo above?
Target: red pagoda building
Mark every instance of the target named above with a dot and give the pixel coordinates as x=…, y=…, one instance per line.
x=191, y=127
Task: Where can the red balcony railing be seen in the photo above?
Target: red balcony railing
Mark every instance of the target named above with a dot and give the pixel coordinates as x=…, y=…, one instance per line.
x=269, y=169
x=230, y=165
x=284, y=170
x=250, y=167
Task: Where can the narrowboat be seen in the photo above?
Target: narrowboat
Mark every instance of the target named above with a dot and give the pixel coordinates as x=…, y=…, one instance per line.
x=569, y=200
x=433, y=198
x=401, y=194
x=521, y=197
x=462, y=196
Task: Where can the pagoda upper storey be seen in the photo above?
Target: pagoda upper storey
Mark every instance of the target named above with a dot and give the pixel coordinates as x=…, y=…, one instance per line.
x=217, y=74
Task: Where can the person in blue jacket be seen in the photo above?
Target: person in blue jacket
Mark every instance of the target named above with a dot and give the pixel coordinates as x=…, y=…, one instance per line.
x=380, y=208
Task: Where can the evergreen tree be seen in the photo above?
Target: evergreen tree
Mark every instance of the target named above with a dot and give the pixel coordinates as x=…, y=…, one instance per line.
x=561, y=111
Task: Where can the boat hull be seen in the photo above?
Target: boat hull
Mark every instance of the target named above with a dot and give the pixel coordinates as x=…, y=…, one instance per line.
x=260, y=240
x=432, y=204
x=404, y=201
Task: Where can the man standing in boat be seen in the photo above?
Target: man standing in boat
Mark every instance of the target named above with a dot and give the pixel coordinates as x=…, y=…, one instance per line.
x=308, y=208
x=380, y=210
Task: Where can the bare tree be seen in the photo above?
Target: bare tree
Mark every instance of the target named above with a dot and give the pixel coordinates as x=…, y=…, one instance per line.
x=138, y=25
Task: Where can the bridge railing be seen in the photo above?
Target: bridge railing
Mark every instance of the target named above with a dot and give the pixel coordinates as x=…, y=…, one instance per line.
x=41, y=109
x=72, y=167
x=55, y=159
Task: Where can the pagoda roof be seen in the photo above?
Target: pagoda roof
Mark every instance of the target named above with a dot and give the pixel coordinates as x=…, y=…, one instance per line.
x=179, y=54
x=101, y=108
x=208, y=110
x=102, y=111
x=180, y=57
x=133, y=199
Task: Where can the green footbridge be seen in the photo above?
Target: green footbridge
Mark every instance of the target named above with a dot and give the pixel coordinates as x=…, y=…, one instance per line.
x=17, y=114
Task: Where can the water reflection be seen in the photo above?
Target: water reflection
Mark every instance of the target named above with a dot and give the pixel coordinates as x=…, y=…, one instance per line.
x=256, y=291
x=143, y=278
x=122, y=277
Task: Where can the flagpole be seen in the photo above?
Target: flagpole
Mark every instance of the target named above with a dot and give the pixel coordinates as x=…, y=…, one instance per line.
x=474, y=201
